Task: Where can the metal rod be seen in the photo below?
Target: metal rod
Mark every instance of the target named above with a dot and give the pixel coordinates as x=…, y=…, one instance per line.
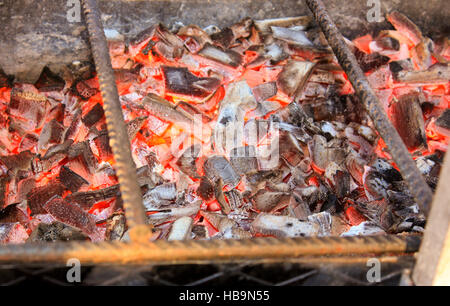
x=433, y=261
x=120, y=144
x=208, y=251
x=400, y=154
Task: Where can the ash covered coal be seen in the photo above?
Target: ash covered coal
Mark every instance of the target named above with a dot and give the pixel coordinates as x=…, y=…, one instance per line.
x=250, y=130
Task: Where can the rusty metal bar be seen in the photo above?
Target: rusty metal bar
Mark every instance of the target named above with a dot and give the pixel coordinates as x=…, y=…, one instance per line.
x=207, y=251
x=400, y=154
x=433, y=261
x=120, y=144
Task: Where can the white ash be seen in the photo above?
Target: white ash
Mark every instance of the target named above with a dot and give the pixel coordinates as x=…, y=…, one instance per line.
x=324, y=220
x=283, y=226
x=366, y=228
x=424, y=164
x=327, y=127
x=181, y=229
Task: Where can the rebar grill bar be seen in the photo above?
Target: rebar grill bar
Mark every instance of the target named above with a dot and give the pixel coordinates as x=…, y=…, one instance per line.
x=400, y=154
x=120, y=144
x=207, y=251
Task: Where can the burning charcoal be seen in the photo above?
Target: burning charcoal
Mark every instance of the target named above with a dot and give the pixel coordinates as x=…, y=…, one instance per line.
x=166, y=111
x=386, y=42
x=181, y=229
x=115, y=227
x=28, y=142
x=238, y=98
x=24, y=187
x=291, y=36
x=206, y=189
x=83, y=150
x=182, y=81
x=290, y=149
x=52, y=133
x=103, y=147
x=14, y=163
x=370, y=62
x=197, y=37
x=268, y=201
x=299, y=208
x=422, y=53
x=27, y=105
x=379, y=212
x=355, y=166
x=134, y=126
x=45, y=164
x=443, y=121
x=374, y=184
x=48, y=81
x=322, y=109
x=56, y=113
x=234, y=198
x=242, y=29
x=227, y=57
x=256, y=180
x=58, y=149
x=200, y=232
x=70, y=179
x=322, y=76
x=332, y=204
x=161, y=195
x=322, y=153
x=438, y=73
x=94, y=115
x=72, y=214
x=227, y=227
x=12, y=213
x=74, y=125
x=223, y=38
x=302, y=22
x=220, y=197
x=12, y=233
x=147, y=177
x=88, y=198
x=186, y=162
x=56, y=231
x=342, y=184
x=172, y=43
x=323, y=219
x=404, y=25
x=244, y=160
x=386, y=170
x=266, y=107
x=283, y=226
x=294, y=76
x=234, y=233
x=83, y=90
x=398, y=66
x=364, y=229
x=193, y=110
x=408, y=119
x=369, y=134
x=18, y=126
x=175, y=211
x=264, y=91
x=274, y=52
x=38, y=196
x=217, y=167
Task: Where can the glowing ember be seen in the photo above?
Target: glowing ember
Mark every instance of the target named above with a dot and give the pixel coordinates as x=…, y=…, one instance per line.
x=251, y=131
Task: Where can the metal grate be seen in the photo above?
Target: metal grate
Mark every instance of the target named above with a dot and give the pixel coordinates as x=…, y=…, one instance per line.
x=246, y=274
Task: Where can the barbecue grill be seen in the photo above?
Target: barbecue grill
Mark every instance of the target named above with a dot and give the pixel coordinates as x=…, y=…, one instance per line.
x=310, y=251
